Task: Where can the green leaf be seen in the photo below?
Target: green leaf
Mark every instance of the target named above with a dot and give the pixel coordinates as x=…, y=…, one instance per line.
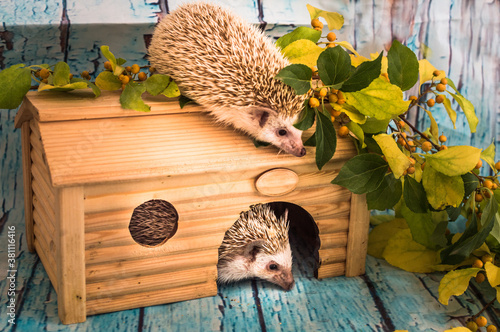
x=488, y=155
x=183, y=101
x=67, y=87
x=386, y=195
x=422, y=226
x=302, y=51
x=156, y=84
x=172, y=90
x=120, y=61
x=451, y=112
x=455, y=283
x=470, y=183
x=307, y=117
x=364, y=74
x=334, y=20
x=116, y=67
x=311, y=141
x=347, y=46
x=380, y=235
x=398, y=161
x=358, y=132
x=326, y=139
x=297, y=76
x=334, y=65
x=403, y=252
x=15, y=82
x=299, y=33
x=107, y=81
x=131, y=97
x=442, y=190
x=415, y=196
x=402, y=66
x=374, y=126
x=471, y=239
x=61, y=74
x=95, y=88
x=456, y=160
x=362, y=173
x=380, y=100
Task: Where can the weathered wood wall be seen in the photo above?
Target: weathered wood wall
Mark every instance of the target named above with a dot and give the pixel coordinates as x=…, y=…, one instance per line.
x=458, y=36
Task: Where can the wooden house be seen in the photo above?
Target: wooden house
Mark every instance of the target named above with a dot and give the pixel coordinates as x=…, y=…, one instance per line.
x=88, y=164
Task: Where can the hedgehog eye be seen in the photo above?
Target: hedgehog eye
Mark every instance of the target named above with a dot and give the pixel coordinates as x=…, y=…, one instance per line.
x=282, y=132
x=273, y=267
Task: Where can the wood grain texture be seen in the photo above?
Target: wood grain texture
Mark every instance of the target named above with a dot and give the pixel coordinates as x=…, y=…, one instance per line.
x=28, y=194
x=357, y=239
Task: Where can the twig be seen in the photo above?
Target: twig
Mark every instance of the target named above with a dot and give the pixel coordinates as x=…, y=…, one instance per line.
x=485, y=307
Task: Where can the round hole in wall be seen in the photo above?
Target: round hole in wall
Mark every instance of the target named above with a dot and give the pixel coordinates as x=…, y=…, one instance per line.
x=153, y=223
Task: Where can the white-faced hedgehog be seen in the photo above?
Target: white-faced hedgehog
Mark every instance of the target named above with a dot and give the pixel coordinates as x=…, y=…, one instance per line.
x=228, y=66
x=257, y=245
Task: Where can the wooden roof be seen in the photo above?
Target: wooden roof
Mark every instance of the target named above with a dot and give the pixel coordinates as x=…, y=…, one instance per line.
x=93, y=140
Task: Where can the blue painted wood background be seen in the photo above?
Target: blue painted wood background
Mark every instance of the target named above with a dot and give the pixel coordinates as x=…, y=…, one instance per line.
x=458, y=36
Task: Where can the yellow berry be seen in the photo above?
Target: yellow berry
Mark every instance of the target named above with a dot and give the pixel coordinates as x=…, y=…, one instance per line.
x=336, y=113
x=332, y=118
x=70, y=76
x=323, y=92
x=410, y=170
x=142, y=76
x=443, y=147
x=436, y=72
x=481, y=321
x=124, y=79
x=86, y=75
x=479, y=164
x=316, y=23
x=444, y=81
x=491, y=328
x=128, y=68
x=479, y=197
x=413, y=98
x=44, y=73
x=318, y=29
x=332, y=98
x=497, y=165
x=401, y=141
x=331, y=36
x=343, y=131
x=412, y=161
x=472, y=326
x=441, y=87
x=330, y=45
x=480, y=278
x=440, y=99
x=488, y=184
x=430, y=102
x=107, y=65
x=45, y=81
x=341, y=101
x=426, y=146
x=151, y=69
x=135, y=68
x=442, y=138
x=313, y=102
x=487, y=258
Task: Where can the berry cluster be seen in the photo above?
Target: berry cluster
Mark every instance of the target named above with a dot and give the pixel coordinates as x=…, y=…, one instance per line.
x=131, y=73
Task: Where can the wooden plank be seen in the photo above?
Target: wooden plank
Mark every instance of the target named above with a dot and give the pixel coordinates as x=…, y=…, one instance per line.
x=40, y=250
x=174, y=246
x=331, y=225
x=333, y=240
x=120, y=286
x=28, y=194
x=41, y=200
x=70, y=255
x=47, y=233
x=334, y=255
x=43, y=183
x=151, y=265
x=42, y=217
x=331, y=270
x=357, y=241
x=124, y=302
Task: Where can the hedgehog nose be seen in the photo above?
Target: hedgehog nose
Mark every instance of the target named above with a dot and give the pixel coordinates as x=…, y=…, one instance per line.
x=302, y=152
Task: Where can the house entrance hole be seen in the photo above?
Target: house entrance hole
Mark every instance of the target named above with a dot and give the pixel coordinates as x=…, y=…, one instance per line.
x=153, y=223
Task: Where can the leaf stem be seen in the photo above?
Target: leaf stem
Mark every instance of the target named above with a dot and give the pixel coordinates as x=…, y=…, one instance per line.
x=418, y=132
x=484, y=308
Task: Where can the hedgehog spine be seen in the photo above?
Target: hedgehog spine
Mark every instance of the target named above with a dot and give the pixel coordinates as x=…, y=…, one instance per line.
x=228, y=66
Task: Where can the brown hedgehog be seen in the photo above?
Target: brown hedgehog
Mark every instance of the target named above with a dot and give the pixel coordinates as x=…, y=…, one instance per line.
x=228, y=66
x=257, y=245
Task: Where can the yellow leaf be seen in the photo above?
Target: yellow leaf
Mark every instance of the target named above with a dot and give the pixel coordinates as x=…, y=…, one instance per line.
x=401, y=251
x=385, y=61
x=426, y=71
x=334, y=20
x=357, y=60
x=380, y=235
x=455, y=283
x=303, y=51
x=456, y=160
x=498, y=294
x=451, y=112
x=434, y=126
x=348, y=46
x=442, y=190
x=380, y=100
x=397, y=160
x=493, y=274
x=353, y=114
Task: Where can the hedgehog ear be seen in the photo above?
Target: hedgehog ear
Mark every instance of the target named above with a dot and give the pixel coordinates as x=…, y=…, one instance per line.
x=261, y=115
x=252, y=249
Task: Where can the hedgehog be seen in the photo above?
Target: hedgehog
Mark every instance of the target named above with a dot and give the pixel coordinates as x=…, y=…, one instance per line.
x=257, y=246
x=228, y=66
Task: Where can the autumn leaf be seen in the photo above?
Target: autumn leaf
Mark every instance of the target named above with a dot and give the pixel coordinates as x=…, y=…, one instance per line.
x=398, y=161
x=442, y=190
x=488, y=155
x=456, y=160
x=334, y=20
x=380, y=235
x=455, y=283
x=303, y=51
x=493, y=274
